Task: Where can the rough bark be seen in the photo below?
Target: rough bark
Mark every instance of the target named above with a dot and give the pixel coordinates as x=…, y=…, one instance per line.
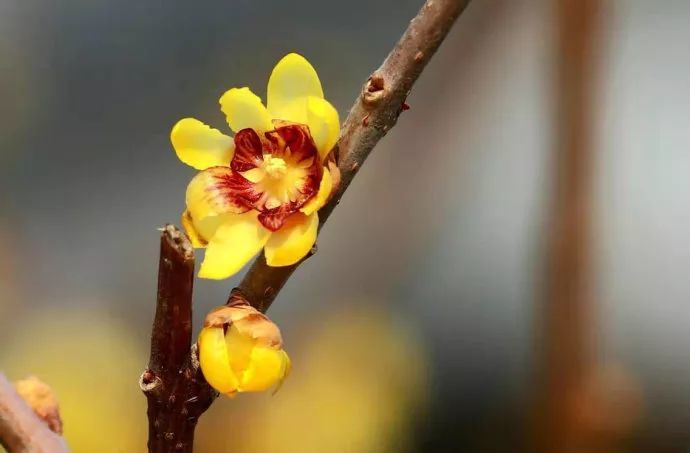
x=174, y=386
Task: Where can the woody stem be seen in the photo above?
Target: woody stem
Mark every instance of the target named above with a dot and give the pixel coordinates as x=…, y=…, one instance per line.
x=175, y=389
x=173, y=384
x=374, y=113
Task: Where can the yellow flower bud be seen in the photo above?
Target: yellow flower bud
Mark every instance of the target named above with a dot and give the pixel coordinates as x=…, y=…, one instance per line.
x=240, y=350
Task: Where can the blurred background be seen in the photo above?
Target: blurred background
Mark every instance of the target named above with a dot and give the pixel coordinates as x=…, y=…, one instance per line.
x=438, y=315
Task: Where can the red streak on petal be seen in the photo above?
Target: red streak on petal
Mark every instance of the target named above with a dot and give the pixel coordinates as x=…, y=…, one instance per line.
x=248, y=150
x=302, y=147
x=216, y=191
x=236, y=189
x=273, y=219
x=295, y=138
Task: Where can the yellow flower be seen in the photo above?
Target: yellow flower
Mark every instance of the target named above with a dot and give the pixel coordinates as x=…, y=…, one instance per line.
x=240, y=350
x=261, y=189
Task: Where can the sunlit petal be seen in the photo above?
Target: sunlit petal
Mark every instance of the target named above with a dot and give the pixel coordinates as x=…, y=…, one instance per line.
x=267, y=367
x=321, y=196
x=254, y=175
x=199, y=145
x=324, y=124
x=239, y=349
x=293, y=240
x=293, y=80
x=216, y=191
x=243, y=109
x=213, y=358
x=197, y=240
x=234, y=244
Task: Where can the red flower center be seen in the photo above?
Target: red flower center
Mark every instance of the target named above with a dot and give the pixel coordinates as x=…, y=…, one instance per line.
x=275, y=174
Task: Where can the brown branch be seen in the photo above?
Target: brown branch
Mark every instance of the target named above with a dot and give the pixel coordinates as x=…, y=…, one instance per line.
x=568, y=355
x=20, y=428
x=373, y=114
x=176, y=391
x=173, y=384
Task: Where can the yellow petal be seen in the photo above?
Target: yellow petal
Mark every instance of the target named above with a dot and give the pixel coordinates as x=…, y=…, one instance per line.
x=321, y=196
x=255, y=174
x=235, y=242
x=267, y=367
x=213, y=358
x=209, y=193
x=197, y=240
x=293, y=240
x=243, y=109
x=199, y=145
x=324, y=124
x=201, y=231
x=292, y=81
x=288, y=366
x=239, y=349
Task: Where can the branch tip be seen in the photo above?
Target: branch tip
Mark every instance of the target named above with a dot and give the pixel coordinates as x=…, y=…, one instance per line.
x=178, y=240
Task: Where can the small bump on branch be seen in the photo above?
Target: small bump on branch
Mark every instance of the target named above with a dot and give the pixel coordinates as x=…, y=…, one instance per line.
x=173, y=383
x=374, y=113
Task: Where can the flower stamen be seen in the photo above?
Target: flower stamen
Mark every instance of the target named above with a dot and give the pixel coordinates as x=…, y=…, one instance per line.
x=275, y=167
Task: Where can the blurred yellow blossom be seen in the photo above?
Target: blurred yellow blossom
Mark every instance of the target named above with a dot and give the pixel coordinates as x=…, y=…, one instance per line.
x=90, y=361
x=240, y=350
x=42, y=400
x=361, y=386
x=261, y=189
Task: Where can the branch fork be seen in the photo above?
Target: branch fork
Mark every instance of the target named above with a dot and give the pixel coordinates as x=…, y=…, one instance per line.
x=174, y=386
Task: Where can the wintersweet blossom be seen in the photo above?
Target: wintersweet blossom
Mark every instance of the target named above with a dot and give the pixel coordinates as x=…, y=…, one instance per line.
x=261, y=189
x=240, y=350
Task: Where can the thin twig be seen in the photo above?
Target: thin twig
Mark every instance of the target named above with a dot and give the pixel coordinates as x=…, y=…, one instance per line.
x=21, y=430
x=176, y=391
x=373, y=114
